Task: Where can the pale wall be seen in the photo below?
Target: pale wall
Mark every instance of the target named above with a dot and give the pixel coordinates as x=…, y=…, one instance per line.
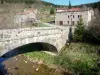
x=63, y=16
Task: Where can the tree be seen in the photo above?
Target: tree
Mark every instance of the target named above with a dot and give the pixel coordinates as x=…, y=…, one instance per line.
x=70, y=37
x=52, y=11
x=79, y=31
x=70, y=5
x=92, y=33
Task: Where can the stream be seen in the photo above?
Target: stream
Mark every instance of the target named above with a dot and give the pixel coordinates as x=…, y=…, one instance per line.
x=20, y=65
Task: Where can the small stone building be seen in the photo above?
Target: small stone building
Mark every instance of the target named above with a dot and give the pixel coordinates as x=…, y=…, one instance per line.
x=26, y=16
x=71, y=16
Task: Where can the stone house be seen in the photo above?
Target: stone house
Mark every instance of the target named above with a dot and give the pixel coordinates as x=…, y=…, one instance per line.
x=23, y=18
x=71, y=16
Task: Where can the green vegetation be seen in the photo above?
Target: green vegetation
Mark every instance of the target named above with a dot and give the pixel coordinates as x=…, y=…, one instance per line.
x=31, y=2
x=47, y=19
x=69, y=5
x=43, y=25
x=79, y=58
x=94, y=5
x=48, y=59
x=52, y=11
x=70, y=35
x=79, y=31
x=92, y=33
x=36, y=25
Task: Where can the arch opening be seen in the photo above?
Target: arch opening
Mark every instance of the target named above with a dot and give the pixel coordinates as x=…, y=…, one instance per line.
x=38, y=46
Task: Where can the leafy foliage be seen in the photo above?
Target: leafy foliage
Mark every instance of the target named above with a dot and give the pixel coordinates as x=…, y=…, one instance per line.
x=92, y=34
x=70, y=35
x=52, y=11
x=32, y=2
x=79, y=31
x=93, y=5
x=70, y=5
x=80, y=58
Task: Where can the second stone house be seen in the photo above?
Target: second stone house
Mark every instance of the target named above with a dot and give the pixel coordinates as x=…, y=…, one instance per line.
x=71, y=16
x=26, y=16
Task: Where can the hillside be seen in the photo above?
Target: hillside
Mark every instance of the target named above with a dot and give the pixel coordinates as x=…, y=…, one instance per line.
x=93, y=5
x=32, y=2
x=11, y=7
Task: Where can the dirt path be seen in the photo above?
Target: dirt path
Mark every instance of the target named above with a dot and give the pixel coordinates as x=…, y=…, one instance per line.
x=51, y=53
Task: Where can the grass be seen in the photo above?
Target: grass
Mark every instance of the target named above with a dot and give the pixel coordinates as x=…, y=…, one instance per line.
x=43, y=25
x=48, y=59
x=79, y=58
x=48, y=19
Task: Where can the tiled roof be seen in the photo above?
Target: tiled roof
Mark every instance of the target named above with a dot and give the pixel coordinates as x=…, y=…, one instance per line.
x=68, y=10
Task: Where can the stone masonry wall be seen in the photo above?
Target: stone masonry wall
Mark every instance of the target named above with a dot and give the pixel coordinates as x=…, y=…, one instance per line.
x=13, y=38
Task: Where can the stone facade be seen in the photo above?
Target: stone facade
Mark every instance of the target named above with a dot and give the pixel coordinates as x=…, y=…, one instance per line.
x=13, y=38
x=22, y=18
x=71, y=16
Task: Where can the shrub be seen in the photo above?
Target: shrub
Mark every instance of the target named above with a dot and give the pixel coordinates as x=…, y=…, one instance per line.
x=70, y=36
x=92, y=34
x=79, y=31
x=52, y=11
x=78, y=59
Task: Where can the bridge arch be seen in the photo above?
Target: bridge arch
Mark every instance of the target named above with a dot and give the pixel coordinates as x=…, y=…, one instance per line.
x=13, y=38
x=31, y=47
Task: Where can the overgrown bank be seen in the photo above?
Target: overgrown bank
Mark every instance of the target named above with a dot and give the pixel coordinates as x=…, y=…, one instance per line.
x=79, y=58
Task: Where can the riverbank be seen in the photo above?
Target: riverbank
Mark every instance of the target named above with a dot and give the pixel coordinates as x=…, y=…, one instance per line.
x=75, y=59
x=80, y=58
x=20, y=65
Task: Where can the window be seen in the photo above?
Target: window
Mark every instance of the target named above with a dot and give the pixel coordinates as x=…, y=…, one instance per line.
x=68, y=16
x=68, y=22
x=61, y=22
x=73, y=16
x=78, y=16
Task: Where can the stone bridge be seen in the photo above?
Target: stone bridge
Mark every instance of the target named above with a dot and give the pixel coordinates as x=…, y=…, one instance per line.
x=13, y=38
